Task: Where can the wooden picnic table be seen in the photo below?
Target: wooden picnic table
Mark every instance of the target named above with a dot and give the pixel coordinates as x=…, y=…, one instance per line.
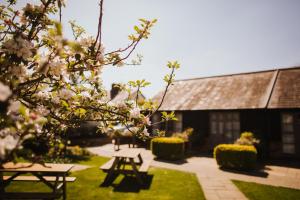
x=117, y=165
x=52, y=175
x=130, y=140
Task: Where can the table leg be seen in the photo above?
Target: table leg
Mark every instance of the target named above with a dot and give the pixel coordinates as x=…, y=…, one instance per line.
x=1, y=183
x=111, y=170
x=64, y=187
x=140, y=159
x=135, y=171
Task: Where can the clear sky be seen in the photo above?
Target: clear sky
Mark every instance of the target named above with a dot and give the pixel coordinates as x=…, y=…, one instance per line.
x=207, y=37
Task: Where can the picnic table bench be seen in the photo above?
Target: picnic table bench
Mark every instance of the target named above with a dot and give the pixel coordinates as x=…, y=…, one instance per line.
x=52, y=175
x=121, y=159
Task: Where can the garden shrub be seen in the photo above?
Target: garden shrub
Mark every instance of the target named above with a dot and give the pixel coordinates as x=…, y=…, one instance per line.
x=169, y=148
x=77, y=151
x=185, y=135
x=235, y=156
x=247, y=138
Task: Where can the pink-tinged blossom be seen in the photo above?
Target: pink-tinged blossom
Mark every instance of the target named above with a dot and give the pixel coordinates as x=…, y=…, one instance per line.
x=120, y=64
x=135, y=113
x=121, y=105
x=14, y=107
x=56, y=69
x=5, y=92
x=87, y=42
x=146, y=121
x=18, y=71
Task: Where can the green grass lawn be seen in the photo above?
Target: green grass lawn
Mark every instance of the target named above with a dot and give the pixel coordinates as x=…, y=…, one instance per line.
x=255, y=191
x=161, y=184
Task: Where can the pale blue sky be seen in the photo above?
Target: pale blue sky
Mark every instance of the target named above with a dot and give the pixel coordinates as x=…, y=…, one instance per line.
x=207, y=37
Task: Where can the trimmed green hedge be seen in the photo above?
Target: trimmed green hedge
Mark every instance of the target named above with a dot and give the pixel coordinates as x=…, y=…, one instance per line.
x=235, y=156
x=169, y=148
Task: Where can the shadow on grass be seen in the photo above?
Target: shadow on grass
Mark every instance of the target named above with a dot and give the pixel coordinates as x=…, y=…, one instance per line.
x=130, y=184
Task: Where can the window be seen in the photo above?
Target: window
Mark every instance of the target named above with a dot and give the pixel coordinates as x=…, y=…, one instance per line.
x=175, y=126
x=288, y=136
x=225, y=124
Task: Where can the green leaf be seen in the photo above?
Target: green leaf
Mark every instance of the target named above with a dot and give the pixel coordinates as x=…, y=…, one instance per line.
x=64, y=103
x=58, y=27
x=80, y=112
x=136, y=28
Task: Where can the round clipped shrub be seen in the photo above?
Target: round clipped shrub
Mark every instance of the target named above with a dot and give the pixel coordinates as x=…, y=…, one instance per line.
x=235, y=156
x=170, y=148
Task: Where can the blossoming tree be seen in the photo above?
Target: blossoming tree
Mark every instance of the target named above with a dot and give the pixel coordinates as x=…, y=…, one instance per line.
x=49, y=83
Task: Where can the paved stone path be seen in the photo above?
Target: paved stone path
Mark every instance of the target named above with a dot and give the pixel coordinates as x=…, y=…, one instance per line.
x=216, y=183
x=78, y=167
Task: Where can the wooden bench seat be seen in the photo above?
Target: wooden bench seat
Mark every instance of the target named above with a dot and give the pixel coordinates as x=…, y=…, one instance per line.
x=31, y=195
x=145, y=166
x=34, y=178
x=106, y=166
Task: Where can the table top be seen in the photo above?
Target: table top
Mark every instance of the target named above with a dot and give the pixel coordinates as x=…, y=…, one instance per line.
x=127, y=153
x=29, y=167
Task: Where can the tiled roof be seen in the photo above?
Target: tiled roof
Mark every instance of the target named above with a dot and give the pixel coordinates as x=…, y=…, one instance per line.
x=123, y=95
x=286, y=92
x=238, y=91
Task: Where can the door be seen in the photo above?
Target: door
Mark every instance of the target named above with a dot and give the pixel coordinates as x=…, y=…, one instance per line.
x=224, y=127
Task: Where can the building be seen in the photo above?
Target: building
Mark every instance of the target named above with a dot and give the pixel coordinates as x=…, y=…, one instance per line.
x=219, y=108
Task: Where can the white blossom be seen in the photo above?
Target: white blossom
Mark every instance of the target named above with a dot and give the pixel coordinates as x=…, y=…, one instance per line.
x=86, y=42
x=145, y=132
x=134, y=129
x=22, y=48
x=86, y=94
x=43, y=66
x=66, y=94
x=42, y=95
x=7, y=144
x=56, y=69
x=55, y=100
x=5, y=92
x=42, y=110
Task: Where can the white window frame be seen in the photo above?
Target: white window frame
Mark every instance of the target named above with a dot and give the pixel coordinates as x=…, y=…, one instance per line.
x=225, y=124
